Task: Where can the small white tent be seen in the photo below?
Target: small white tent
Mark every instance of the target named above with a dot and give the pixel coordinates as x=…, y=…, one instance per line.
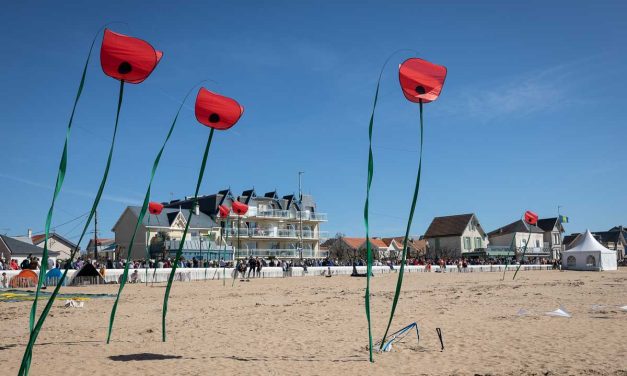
x=587, y=253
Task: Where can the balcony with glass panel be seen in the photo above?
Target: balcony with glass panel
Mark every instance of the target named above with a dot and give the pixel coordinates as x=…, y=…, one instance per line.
x=280, y=233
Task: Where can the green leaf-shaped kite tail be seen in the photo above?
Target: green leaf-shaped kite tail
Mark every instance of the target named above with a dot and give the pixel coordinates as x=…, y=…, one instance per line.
x=57, y=187
x=179, y=251
x=24, y=368
x=140, y=218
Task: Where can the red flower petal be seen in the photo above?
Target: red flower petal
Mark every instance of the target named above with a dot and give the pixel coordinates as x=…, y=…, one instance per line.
x=239, y=208
x=126, y=58
x=224, y=211
x=421, y=80
x=155, y=208
x=531, y=217
x=217, y=111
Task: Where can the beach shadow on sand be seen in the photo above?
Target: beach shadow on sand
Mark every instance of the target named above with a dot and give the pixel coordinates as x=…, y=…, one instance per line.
x=143, y=356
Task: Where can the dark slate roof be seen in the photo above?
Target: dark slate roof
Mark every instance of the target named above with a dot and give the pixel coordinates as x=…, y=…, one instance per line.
x=609, y=236
x=291, y=199
x=225, y=192
x=206, y=204
x=308, y=203
x=167, y=217
x=547, y=224
x=271, y=195
x=19, y=248
x=249, y=193
x=452, y=225
x=40, y=239
x=568, y=239
x=518, y=226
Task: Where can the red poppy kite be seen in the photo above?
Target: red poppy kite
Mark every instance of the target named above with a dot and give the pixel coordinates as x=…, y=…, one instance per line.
x=127, y=58
x=421, y=81
x=224, y=211
x=239, y=208
x=531, y=217
x=155, y=208
x=217, y=111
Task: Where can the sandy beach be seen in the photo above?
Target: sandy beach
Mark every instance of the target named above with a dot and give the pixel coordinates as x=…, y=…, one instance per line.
x=316, y=325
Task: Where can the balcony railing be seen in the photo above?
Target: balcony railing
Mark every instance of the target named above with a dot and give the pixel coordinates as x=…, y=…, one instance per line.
x=278, y=253
x=283, y=214
x=193, y=244
x=274, y=233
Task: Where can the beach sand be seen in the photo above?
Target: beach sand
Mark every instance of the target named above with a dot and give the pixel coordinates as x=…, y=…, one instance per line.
x=317, y=325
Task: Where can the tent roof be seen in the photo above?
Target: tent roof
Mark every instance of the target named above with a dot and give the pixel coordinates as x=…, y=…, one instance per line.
x=587, y=243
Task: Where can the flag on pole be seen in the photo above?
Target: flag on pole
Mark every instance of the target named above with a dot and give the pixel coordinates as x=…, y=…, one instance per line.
x=563, y=219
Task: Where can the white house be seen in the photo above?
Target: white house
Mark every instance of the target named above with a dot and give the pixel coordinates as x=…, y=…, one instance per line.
x=522, y=235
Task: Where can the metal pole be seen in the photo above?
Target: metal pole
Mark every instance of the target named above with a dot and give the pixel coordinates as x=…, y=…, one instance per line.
x=300, y=204
x=96, y=235
x=147, y=249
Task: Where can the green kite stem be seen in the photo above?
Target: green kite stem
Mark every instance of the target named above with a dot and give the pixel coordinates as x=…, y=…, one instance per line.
x=399, y=282
x=366, y=217
x=57, y=188
x=181, y=244
x=140, y=219
x=511, y=248
x=522, y=258
x=33, y=337
x=225, y=245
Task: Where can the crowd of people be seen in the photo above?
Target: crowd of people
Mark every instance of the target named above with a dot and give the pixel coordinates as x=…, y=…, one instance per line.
x=253, y=266
x=30, y=262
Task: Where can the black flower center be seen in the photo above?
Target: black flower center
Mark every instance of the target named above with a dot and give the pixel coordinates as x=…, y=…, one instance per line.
x=420, y=89
x=214, y=118
x=125, y=67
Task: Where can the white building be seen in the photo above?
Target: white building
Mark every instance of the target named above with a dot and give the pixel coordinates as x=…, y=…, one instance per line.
x=455, y=235
x=274, y=226
x=522, y=235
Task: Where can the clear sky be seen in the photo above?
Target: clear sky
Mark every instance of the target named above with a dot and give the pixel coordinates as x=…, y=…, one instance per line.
x=532, y=114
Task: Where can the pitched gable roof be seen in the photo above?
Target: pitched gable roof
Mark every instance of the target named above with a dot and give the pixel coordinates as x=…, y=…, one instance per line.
x=568, y=239
x=609, y=236
x=452, y=225
x=377, y=243
x=354, y=243
x=19, y=248
x=39, y=238
x=412, y=244
x=168, y=216
x=547, y=224
x=518, y=226
x=272, y=194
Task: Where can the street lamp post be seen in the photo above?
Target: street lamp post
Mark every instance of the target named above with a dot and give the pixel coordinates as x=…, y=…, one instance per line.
x=300, y=204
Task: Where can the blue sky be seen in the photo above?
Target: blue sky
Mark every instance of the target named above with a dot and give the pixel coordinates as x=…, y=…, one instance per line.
x=532, y=114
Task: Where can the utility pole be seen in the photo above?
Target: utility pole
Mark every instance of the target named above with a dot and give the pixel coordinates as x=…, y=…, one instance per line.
x=96, y=235
x=300, y=204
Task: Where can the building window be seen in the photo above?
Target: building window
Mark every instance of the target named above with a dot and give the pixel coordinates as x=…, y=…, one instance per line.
x=466, y=242
x=523, y=242
x=537, y=243
x=590, y=261
x=556, y=239
x=478, y=242
x=437, y=243
x=571, y=261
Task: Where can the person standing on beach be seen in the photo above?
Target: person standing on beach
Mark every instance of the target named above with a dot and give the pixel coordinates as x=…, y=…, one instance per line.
x=259, y=266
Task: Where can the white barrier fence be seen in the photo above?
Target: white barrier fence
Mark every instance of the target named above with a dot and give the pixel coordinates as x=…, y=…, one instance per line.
x=199, y=274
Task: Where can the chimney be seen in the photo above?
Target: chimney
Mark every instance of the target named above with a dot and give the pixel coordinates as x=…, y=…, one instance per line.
x=30, y=233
